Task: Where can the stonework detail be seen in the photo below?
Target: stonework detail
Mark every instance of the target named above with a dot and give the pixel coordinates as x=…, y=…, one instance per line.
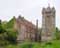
x=26, y=30
x=48, y=23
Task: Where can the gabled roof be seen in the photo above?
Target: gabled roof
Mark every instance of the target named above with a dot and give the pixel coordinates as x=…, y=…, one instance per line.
x=25, y=22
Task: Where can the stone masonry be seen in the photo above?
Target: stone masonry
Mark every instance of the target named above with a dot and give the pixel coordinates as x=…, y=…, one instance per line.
x=48, y=23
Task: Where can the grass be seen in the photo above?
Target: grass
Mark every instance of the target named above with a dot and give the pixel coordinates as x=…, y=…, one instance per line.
x=54, y=44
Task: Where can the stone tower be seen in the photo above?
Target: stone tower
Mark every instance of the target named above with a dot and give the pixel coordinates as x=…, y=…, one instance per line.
x=48, y=24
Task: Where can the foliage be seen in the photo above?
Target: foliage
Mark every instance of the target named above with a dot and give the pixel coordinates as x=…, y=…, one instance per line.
x=57, y=33
x=11, y=37
x=7, y=33
x=8, y=37
x=1, y=28
x=54, y=44
x=10, y=24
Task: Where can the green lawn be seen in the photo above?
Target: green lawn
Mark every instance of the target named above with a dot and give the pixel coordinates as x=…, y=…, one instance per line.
x=54, y=44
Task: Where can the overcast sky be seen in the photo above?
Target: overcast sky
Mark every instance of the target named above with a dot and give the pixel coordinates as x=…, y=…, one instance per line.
x=29, y=9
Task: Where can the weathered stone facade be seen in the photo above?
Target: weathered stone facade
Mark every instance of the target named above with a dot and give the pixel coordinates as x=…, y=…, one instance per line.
x=26, y=30
x=48, y=23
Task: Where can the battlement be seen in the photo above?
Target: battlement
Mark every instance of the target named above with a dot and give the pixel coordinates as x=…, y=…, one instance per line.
x=48, y=10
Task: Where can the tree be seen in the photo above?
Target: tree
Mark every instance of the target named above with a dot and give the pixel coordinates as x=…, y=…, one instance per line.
x=1, y=28
x=57, y=33
x=11, y=36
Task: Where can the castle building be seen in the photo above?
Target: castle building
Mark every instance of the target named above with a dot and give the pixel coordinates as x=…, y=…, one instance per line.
x=26, y=30
x=48, y=23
